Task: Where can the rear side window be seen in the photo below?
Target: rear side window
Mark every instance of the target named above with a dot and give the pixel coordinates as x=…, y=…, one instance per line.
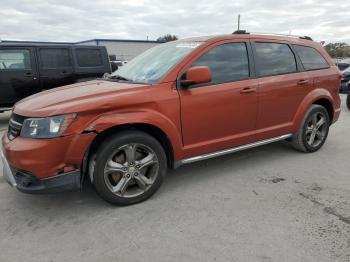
x=274, y=59
x=15, y=59
x=88, y=57
x=310, y=58
x=51, y=58
x=227, y=62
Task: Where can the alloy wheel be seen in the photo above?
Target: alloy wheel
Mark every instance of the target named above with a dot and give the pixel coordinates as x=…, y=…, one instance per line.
x=131, y=170
x=316, y=129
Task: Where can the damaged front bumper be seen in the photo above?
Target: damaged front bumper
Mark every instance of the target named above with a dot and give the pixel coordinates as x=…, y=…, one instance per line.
x=27, y=183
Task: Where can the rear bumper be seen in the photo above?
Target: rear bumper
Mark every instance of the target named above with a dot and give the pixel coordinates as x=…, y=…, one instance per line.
x=27, y=183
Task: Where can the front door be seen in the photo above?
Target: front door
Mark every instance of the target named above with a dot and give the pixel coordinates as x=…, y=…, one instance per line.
x=222, y=113
x=18, y=74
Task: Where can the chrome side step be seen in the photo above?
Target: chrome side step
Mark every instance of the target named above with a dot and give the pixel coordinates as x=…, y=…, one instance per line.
x=231, y=150
x=3, y=109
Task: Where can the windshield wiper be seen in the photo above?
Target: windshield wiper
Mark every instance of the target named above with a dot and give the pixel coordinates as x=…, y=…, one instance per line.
x=118, y=77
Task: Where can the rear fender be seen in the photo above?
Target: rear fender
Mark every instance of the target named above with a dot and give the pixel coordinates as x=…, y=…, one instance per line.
x=310, y=99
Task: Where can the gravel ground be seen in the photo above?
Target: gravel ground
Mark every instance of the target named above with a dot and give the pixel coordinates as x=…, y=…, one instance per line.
x=266, y=204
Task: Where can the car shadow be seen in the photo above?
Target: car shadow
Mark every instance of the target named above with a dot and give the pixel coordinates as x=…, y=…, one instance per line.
x=88, y=202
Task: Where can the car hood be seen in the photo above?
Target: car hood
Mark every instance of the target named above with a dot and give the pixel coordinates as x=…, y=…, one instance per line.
x=75, y=98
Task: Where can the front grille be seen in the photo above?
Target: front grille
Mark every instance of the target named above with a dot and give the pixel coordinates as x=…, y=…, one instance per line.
x=15, y=126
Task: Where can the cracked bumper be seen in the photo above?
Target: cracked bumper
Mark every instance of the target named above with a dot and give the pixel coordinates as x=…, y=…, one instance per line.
x=27, y=183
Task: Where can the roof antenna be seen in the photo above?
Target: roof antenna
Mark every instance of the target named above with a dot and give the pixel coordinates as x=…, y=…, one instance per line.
x=239, y=31
x=239, y=22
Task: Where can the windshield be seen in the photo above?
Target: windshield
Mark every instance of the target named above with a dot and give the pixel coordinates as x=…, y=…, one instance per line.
x=152, y=65
x=347, y=70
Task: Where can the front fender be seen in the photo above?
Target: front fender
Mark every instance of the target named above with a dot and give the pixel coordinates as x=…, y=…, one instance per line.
x=149, y=117
x=308, y=100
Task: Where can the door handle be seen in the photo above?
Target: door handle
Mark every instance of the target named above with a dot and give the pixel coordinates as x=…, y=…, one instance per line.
x=303, y=82
x=247, y=90
x=28, y=74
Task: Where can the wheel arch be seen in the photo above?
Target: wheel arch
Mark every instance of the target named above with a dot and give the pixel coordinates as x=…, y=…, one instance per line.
x=318, y=97
x=152, y=130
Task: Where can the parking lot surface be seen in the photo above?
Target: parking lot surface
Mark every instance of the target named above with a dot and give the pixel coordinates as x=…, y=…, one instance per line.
x=266, y=204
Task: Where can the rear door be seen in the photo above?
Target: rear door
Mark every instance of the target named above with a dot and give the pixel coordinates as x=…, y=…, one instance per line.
x=56, y=66
x=282, y=86
x=18, y=74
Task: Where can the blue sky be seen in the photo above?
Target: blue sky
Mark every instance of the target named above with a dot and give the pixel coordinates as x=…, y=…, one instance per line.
x=74, y=20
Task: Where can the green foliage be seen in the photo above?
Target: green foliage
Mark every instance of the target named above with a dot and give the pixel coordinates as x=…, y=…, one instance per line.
x=167, y=38
x=338, y=49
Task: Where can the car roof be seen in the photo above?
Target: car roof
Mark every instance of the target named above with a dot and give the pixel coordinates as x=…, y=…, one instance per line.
x=285, y=38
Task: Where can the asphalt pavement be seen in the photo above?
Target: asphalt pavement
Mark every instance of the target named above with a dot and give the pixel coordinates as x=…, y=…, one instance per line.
x=265, y=204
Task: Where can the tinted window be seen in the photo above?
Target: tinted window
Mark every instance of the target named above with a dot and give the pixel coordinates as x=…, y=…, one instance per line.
x=13, y=59
x=227, y=62
x=274, y=59
x=51, y=58
x=87, y=57
x=310, y=57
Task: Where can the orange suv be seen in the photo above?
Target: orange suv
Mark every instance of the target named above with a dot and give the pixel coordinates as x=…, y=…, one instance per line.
x=177, y=103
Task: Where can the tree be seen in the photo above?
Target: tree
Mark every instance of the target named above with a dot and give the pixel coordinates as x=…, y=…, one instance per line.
x=338, y=49
x=167, y=38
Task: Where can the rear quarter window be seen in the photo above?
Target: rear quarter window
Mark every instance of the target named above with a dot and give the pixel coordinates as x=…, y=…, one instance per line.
x=310, y=58
x=89, y=57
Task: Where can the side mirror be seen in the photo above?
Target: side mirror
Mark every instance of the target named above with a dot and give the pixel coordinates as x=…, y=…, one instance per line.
x=196, y=75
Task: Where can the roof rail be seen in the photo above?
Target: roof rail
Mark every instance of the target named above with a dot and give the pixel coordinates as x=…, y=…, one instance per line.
x=288, y=35
x=306, y=37
x=240, y=32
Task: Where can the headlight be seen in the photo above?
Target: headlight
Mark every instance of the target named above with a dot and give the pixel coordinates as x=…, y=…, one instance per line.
x=47, y=127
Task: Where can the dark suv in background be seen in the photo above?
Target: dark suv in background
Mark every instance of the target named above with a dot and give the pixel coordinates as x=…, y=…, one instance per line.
x=345, y=80
x=29, y=69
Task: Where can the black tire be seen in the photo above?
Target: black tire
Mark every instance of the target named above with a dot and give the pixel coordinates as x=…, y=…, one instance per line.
x=348, y=101
x=105, y=151
x=301, y=139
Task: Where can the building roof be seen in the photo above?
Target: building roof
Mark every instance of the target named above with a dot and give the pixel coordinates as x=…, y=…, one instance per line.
x=119, y=40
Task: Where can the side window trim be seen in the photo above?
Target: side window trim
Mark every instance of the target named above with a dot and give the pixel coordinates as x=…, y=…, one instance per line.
x=299, y=67
x=251, y=66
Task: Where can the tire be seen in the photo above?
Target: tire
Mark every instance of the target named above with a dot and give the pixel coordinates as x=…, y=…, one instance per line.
x=348, y=101
x=302, y=140
x=129, y=168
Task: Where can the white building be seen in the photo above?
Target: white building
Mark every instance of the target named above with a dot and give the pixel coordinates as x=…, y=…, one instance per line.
x=122, y=49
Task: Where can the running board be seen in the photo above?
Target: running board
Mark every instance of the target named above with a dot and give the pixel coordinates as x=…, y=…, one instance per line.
x=3, y=109
x=231, y=150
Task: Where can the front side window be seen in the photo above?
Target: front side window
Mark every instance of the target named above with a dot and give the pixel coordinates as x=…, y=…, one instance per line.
x=274, y=59
x=310, y=58
x=227, y=62
x=87, y=57
x=15, y=59
x=51, y=58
